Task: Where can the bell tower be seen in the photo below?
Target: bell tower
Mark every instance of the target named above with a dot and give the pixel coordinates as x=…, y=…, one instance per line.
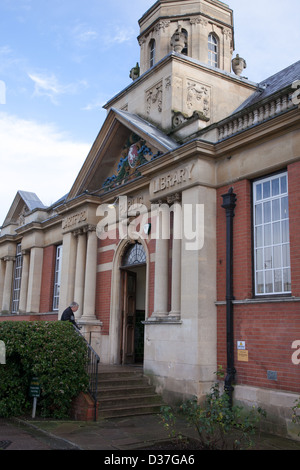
x=200, y=29
x=184, y=82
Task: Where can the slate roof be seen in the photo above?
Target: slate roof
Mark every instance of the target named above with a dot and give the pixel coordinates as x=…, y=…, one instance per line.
x=31, y=200
x=148, y=129
x=273, y=84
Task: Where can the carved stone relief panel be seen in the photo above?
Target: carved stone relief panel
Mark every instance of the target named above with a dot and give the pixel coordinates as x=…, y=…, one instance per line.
x=154, y=97
x=198, y=97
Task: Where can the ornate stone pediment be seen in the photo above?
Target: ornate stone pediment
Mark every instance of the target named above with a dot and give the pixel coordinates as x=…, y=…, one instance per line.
x=124, y=143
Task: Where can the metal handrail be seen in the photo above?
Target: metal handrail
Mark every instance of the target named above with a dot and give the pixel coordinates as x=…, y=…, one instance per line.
x=92, y=370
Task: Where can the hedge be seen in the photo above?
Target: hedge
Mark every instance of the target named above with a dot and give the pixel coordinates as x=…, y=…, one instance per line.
x=51, y=351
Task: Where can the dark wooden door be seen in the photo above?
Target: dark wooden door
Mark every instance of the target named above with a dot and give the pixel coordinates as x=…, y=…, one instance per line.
x=128, y=317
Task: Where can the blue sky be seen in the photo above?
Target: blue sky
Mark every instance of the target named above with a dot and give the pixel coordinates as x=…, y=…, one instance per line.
x=61, y=60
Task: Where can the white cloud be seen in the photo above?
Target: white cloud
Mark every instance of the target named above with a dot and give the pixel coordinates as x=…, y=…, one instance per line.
x=37, y=158
x=83, y=34
x=48, y=85
x=123, y=35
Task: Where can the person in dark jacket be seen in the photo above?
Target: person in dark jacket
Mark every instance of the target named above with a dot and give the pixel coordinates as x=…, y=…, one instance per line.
x=68, y=314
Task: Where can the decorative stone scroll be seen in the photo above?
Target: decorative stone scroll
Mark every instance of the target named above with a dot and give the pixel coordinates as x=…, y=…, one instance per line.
x=154, y=98
x=198, y=98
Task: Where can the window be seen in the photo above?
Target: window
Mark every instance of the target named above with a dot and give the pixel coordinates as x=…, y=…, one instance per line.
x=271, y=236
x=135, y=254
x=57, y=277
x=213, y=53
x=17, y=280
x=152, y=52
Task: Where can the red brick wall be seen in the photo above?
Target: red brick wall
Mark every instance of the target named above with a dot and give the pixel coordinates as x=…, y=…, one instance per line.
x=46, y=300
x=33, y=317
x=103, y=294
x=294, y=208
x=242, y=242
x=83, y=408
x=268, y=328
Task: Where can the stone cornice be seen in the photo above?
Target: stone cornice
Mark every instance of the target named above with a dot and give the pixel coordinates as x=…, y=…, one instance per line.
x=174, y=56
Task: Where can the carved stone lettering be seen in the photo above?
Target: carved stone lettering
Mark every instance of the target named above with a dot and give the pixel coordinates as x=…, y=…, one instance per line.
x=74, y=219
x=173, y=179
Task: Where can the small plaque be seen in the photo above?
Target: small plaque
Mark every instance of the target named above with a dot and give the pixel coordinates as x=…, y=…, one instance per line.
x=242, y=355
x=272, y=375
x=34, y=389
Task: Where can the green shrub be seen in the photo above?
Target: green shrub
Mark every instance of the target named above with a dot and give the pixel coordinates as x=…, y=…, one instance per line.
x=219, y=425
x=296, y=414
x=51, y=351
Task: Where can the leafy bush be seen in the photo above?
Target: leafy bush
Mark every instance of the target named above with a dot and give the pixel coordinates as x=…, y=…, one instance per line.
x=296, y=413
x=219, y=425
x=51, y=351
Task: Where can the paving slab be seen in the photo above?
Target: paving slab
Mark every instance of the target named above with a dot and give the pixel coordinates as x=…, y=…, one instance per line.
x=113, y=435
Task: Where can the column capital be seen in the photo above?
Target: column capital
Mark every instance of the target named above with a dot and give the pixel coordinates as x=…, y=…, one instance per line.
x=89, y=228
x=176, y=197
x=9, y=258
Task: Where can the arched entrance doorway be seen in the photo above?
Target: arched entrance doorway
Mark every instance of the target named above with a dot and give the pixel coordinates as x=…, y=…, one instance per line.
x=133, y=298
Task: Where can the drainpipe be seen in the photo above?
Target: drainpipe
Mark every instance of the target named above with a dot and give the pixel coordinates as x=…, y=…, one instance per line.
x=229, y=204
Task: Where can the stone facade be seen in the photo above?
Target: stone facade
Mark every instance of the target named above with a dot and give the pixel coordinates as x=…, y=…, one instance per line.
x=140, y=240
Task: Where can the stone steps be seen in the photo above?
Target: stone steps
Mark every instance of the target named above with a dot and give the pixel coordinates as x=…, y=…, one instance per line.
x=125, y=391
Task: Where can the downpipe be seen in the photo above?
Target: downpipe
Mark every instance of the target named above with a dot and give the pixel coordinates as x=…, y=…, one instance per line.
x=229, y=204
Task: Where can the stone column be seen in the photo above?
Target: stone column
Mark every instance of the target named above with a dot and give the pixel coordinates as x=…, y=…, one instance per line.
x=176, y=261
x=35, y=280
x=8, y=279
x=24, y=282
x=80, y=271
x=89, y=303
x=161, y=261
x=67, y=272
x=2, y=277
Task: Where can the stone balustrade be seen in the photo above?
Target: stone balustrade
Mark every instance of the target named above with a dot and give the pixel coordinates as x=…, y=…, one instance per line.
x=250, y=117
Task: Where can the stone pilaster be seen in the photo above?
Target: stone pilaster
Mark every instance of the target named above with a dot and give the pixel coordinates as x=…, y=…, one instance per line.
x=8, y=279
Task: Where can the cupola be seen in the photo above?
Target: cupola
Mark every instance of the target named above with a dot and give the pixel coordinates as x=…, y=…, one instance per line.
x=199, y=29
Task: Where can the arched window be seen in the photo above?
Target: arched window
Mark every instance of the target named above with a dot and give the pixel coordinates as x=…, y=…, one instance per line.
x=135, y=254
x=213, y=51
x=185, y=49
x=152, y=52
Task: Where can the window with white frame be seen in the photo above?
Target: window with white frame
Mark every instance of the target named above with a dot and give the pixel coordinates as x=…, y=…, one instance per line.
x=271, y=236
x=213, y=51
x=17, y=280
x=57, y=277
x=152, y=52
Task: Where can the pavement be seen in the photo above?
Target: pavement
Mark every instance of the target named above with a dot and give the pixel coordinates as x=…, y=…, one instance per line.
x=115, y=436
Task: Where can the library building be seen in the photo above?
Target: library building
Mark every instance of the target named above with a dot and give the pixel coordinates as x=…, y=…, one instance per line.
x=180, y=236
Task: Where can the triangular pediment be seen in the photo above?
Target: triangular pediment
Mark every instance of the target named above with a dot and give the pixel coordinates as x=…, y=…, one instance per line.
x=124, y=142
x=23, y=203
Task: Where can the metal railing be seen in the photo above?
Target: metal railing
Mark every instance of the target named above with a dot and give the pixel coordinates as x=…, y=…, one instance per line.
x=92, y=370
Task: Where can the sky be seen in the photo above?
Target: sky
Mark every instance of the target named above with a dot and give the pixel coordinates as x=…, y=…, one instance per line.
x=62, y=60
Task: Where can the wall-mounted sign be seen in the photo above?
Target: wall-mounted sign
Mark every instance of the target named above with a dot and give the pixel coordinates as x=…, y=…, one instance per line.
x=241, y=345
x=242, y=355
